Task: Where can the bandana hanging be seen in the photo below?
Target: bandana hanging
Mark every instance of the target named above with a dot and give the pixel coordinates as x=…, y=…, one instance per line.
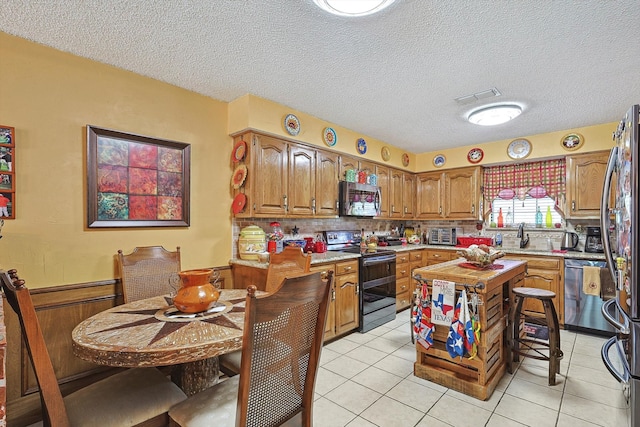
x=455, y=339
x=423, y=327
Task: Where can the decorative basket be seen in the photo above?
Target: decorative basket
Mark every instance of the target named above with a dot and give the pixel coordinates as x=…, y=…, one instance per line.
x=476, y=256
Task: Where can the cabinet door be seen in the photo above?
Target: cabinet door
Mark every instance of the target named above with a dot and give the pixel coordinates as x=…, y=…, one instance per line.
x=408, y=193
x=543, y=279
x=368, y=167
x=326, y=199
x=462, y=189
x=429, y=196
x=585, y=183
x=395, y=194
x=347, y=303
x=382, y=173
x=302, y=180
x=347, y=163
x=270, y=169
x=403, y=293
x=330, y=326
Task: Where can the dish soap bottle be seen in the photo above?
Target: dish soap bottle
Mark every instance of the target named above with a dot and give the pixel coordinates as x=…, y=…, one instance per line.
x=548, y=219
x=538, y=217
x=500, y=219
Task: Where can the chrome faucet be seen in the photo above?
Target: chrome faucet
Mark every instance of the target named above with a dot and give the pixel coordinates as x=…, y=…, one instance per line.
x=523, y=242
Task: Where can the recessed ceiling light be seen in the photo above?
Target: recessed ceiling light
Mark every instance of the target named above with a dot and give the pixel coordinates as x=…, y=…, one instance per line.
x=353, y=7
x=494, y=114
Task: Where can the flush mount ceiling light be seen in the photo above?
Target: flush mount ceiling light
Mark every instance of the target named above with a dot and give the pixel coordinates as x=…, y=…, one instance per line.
x=353, y=7
x=494, y=114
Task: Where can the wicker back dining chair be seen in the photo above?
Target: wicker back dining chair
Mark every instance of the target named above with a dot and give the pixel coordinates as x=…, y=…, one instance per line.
x=140, y=396
x=148, y=272
x=288, y=263
x=281, y=345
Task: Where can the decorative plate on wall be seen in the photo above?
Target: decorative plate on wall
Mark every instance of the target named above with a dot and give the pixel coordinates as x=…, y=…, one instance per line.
x=330, y=137
x=238, y=203
x=239, y=151
x=292, y=125
x=405, y=159
x=239, y=175
x=572, y=141
x=475, y=155
x=519, y=148
x=361, y=145
x=386, y=154
x=439, y=160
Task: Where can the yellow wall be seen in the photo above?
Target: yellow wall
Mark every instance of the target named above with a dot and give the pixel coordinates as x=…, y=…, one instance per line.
x=49, y=97
x=252, y=112
x=545, y=145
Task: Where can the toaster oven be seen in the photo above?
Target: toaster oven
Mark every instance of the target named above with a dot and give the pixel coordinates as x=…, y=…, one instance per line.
x=444, y=236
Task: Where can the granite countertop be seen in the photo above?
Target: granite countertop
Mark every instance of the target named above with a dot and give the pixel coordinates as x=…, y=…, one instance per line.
x=333, y=256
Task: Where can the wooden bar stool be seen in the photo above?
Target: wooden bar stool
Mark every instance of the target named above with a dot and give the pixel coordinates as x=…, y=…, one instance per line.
x=520, y=344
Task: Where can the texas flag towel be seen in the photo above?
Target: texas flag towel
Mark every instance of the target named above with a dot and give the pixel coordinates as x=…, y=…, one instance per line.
x=443, y=295
x=456, y=337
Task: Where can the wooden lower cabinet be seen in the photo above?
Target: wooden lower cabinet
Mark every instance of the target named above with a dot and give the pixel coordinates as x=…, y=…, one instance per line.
x=344, y=308
x=403, y=281
x=544, y=273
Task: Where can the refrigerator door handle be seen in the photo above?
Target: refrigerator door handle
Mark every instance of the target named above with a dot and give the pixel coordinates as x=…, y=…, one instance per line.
x=605, y=219
x=609, y=317
x=622, y=377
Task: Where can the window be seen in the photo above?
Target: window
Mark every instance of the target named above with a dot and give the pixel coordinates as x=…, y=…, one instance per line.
x=516, y=211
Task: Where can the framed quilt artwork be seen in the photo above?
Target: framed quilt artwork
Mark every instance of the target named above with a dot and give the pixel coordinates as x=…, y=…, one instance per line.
x=136, y=181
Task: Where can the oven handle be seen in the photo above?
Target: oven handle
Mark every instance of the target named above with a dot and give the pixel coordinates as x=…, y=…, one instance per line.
x=609, y=317
x=378, y=260
x=604, y=352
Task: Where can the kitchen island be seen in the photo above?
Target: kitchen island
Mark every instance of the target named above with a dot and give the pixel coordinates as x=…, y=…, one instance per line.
x=477, y=376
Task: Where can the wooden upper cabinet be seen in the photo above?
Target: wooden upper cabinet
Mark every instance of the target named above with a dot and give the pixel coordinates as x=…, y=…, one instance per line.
x=383, y=174
x=347, y=163
x=368, y=167
x=429, y=187
x=585, y=183
x=395, y=193
x=301, y=191
x=462, y=189
x=270, y=179
x=451, y=194
x=408, y=195
x=327, y=170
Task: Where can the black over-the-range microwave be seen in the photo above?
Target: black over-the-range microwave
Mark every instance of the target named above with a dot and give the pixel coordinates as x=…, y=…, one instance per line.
x=361, y=200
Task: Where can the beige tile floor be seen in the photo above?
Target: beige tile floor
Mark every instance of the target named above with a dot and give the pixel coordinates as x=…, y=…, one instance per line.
x=367, y=380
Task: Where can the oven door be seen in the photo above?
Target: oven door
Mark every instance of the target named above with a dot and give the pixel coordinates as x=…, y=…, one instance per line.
x=377, y=282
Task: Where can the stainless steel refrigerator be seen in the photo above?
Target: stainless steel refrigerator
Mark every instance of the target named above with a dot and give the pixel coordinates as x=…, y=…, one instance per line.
x=621, y=353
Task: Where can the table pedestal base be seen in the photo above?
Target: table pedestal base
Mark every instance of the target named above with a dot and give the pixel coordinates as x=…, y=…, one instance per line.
x=194, y=377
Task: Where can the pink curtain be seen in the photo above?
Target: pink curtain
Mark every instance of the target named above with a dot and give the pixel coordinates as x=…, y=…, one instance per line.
x=536, y=179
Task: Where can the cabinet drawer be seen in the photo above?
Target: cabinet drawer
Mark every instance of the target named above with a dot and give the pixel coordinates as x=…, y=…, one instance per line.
x=439, y=256
x=547, y=263
x=416, y=256
x=402, y=257
x=403, y=301
x=346, y=267
x=402, y=285
x=323, y=269
x=402, y=271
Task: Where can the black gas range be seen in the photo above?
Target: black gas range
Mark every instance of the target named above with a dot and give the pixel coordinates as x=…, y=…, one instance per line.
x=377, y=278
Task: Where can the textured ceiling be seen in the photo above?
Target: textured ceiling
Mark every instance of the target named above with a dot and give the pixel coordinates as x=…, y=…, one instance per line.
x=394, y=76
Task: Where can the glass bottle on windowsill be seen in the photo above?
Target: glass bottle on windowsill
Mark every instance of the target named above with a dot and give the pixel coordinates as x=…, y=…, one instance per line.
x=500, y=219
x=508, y=220
x=538, y=217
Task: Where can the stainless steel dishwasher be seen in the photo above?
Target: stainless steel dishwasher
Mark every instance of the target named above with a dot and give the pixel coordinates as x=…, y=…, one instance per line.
x=582, y=312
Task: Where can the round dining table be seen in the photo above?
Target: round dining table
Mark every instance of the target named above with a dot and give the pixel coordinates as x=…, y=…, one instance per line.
x=153, y=333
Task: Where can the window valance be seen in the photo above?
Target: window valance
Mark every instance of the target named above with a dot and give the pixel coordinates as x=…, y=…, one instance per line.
x=535, y=179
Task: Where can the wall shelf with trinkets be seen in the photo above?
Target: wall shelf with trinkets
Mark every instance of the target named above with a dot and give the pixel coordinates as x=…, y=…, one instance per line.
x=7, y=172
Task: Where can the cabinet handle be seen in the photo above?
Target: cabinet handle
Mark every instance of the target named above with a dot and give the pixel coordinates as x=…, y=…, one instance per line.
x=573, y=205
x=333, y=295
x=393, y=208
x=286, y=204
x=436, y=255
x=337, y=205
x=405, y=209
x=473, y=209
x=403, y=271
x=440, y=210
x=313, y=205
x=418, y=256
x=403, y=287
x=347, y=268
